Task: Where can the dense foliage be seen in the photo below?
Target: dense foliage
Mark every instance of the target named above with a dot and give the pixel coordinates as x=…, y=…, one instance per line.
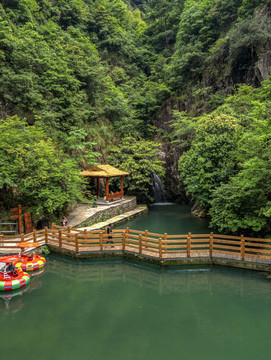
x=34, y=170
x=227, y=168
x=243, y=203
x=208, y=162
x=85, y=80
x=139, y=158
x=51, y=67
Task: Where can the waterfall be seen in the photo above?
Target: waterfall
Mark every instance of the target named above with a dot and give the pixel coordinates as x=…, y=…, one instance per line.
x=158, y=190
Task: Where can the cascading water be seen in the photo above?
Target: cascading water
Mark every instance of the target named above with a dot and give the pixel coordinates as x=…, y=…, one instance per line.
x=158, y=190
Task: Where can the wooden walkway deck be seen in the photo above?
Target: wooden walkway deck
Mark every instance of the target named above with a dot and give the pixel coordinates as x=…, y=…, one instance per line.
x=162, y=249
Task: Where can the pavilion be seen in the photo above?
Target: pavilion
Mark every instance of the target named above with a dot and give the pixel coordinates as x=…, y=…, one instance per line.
x=106, y=172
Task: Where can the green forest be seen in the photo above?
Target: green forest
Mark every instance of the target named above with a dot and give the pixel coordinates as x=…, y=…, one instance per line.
x=85, y=82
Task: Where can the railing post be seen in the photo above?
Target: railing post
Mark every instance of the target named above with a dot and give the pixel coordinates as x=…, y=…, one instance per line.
x=211, y=244
x=76, y=243
x=188, y=244
x=242, y=247
x=34, y=236
x=85, y=236
x=60, y=238
x=160, y=248
x=101, y=241
x=53, y=226
x=22, y=237
x=127, y=235
x=140, y=244
x=20, y=219
x=46, y=235
x=165, y=238
x=146, y=238
x=123, y=240
x=1, y=239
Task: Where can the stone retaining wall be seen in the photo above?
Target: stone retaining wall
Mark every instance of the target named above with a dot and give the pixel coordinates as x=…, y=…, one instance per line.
x=119, y=219
x=110, y=212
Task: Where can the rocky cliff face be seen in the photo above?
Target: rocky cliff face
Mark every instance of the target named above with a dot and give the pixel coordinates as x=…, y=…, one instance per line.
x=170, y=155
x=243, y=55
x=262, y=66
x=174, y=187
x=263, y=50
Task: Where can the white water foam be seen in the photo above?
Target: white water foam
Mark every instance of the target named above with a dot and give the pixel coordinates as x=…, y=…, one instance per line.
x=163, y=203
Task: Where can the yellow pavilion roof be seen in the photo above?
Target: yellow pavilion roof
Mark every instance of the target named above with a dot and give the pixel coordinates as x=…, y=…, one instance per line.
x=104, y=171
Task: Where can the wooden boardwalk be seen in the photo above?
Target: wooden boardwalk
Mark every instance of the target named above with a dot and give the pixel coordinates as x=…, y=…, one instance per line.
x=162, y=249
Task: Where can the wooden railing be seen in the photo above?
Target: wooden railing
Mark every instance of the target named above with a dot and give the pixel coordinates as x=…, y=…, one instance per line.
x=9, y=243
x=115, y=195
x=162, y=246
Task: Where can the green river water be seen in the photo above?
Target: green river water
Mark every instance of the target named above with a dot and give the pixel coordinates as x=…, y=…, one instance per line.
x=170, y=219
x=123, y=310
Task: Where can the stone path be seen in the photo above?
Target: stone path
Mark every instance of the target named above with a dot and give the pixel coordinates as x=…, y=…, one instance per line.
x=81, y=213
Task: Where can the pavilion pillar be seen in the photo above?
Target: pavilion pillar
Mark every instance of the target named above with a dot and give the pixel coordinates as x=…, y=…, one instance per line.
x=107, y=189
x=121, y=184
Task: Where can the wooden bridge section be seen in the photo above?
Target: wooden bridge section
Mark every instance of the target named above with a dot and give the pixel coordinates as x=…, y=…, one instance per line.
x=162, y=248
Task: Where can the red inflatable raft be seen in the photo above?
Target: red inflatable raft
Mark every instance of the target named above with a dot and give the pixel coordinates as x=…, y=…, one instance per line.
x=26, y=262
x=30, y=262
x=11, y=278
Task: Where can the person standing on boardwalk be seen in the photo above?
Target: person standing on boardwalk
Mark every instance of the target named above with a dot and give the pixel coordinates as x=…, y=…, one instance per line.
x=64, y=221
x=109, y=237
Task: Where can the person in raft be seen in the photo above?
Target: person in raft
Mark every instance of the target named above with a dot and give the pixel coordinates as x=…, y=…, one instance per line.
x=64, y=221
x=109, y=237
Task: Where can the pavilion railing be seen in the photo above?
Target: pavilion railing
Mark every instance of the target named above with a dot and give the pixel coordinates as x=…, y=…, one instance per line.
x=162, y=246
x=115, y=195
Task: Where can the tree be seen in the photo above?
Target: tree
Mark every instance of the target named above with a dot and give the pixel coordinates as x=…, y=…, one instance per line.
x=243, y=203
x=34, y=171
x=209, y=161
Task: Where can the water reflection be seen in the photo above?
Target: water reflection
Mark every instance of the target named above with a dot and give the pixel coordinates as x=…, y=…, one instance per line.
x=126, y=310
x=164, y=282
x=9, y=301
x=191, y=280
x=37, y=272
x=12, y=301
